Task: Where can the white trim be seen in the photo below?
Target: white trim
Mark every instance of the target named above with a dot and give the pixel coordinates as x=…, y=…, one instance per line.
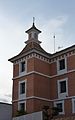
x=32, y=72
x=22, y=73
x=33, y=97
x=40, y=98
x=65, y=94
x=73, y=105
x=55, y=105
x=59, y=72
x=22, y=96
x=20, y=103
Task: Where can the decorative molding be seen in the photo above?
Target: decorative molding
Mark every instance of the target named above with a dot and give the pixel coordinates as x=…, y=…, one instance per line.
x=45, y=99
x=35, y=72
x=60, y=56
x=32, y=72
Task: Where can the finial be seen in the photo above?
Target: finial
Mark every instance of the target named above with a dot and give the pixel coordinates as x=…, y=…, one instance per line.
x=54, y=42
x=33, y=21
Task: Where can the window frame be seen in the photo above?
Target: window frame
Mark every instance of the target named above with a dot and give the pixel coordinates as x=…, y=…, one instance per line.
x=22, y=88
x=21, y=73
x=64, y=94
x=22, y=96
x=58, y=102
x=19, y=103
x=22, y=66
x=73, y=104
x=61, y=71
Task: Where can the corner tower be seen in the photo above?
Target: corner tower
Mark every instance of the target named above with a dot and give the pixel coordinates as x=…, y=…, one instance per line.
x=31, y=76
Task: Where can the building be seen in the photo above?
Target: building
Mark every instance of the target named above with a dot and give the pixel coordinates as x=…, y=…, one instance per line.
x=43, y=79
x=5, y=111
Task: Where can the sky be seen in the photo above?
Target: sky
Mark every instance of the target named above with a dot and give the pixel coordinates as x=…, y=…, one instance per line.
x=52, y=17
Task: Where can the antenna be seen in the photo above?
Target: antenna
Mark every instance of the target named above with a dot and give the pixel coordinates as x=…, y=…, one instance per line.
x=33, y=20
x=59, y=47
x=54, y=42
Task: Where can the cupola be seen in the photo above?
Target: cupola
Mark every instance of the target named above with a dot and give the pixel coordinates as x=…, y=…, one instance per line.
x=33, y=34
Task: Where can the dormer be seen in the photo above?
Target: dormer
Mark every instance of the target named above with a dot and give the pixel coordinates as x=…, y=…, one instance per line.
x=33, y=33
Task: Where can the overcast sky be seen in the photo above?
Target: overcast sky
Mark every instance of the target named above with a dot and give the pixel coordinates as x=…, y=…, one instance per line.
x=51, y=17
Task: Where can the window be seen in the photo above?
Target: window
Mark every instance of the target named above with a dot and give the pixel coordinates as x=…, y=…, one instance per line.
x=22, y=88
x=30, y=35
x=73, y=105
x=63, y=88
x=60, y=106
x=22, y=106
x=62, y=66
x=23, y=66
x=35, y=35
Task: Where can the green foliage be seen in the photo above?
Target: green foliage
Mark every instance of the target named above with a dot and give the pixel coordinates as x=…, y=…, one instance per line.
x=21, y=112
x=55, y=111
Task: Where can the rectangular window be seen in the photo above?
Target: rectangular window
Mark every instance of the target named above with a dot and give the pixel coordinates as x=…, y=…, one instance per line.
x=22, y=106
x=62, y=64
x=23, y=66
x=73, y=105
x=60, y=106
x=22, y=88
x=62, y=88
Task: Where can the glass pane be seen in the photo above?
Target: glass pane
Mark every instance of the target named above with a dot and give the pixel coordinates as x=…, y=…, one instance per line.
x=59, y=106
x=62, y=86
x=23, y=66
x=22, y=106
x=62, y=64
x=22, y=88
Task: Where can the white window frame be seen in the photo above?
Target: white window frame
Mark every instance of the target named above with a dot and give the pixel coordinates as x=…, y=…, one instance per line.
x=73, y=104
x=20, y=103
x=20, y=67
x=22, y=96
x=55, y=105
x=59, y=72
x=65, y=94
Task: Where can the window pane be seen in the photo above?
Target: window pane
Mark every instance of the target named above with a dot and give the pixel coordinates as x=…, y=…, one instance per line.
x=30, y=35
x=23, y=66
x=22, y=106
x=62, y=86
x=74, y=106
x=62, y=64
x=22, y=88
x=35, y=35
x=59, y=106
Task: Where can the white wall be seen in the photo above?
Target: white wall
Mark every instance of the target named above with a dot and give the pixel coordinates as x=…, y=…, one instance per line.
x=5, y=111
x=33, y=116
